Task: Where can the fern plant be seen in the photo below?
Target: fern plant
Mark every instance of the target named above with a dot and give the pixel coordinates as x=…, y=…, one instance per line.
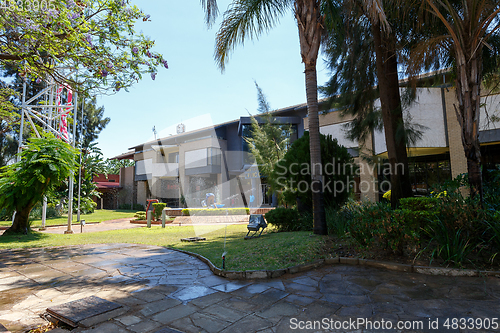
x=45, y=163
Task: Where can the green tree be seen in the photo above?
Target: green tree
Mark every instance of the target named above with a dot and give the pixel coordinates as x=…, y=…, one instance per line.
x=45, y=164
x=292, y=173
x=96, y=37
x=92, y=163
x=366, y=41
x=248, y=19
x=8, y=118
x=470, y=26
x=263, y=104
x=268, y=140
x=113, y=166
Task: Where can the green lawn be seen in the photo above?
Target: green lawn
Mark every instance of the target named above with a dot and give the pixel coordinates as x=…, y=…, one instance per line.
x=271, y=251
x=99, y=215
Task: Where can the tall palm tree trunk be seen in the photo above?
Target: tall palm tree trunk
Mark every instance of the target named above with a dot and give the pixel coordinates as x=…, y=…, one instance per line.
x=468, y=93
x=392, y=114
x=309, y=22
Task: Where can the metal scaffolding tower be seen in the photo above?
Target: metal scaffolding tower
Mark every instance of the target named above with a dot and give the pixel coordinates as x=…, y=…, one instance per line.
x=49, y=109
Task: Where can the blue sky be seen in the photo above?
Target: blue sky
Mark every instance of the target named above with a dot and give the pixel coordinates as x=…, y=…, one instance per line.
x=193, y=90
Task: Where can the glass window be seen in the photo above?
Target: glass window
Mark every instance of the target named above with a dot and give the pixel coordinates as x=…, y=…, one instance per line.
x=214, y=156
x=173, y=158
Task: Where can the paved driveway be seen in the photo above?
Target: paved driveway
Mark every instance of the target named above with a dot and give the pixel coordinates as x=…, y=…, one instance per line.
x=166, y=291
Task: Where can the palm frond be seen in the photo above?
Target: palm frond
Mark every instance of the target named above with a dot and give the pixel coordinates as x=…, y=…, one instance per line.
x=424, y=54
x=246, y=19
x=375, y=11
x=211, y=10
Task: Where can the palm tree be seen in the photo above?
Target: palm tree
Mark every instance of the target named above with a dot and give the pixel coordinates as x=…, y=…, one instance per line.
x=248, y=19
x=364, y=52
x=469, y=25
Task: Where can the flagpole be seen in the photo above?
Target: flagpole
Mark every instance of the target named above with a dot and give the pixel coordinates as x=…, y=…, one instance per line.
x=71, y=178
x=80, y=169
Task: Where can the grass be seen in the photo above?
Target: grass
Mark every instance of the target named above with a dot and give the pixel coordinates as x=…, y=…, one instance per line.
x=271, y=251
x=99, y=215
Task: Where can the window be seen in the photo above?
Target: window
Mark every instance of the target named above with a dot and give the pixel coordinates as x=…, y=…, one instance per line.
x=173, y=157
x=214, y=156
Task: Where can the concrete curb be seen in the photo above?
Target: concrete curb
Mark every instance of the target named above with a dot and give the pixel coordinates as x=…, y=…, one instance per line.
x=404, y=268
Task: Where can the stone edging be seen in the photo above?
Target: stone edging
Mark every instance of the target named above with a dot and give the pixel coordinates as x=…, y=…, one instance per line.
x=270, y=274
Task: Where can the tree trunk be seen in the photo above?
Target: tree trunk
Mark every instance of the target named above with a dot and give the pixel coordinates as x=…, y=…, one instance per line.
x=21, y=221
x=468, y=92
x=392, y=115
x=309, y=22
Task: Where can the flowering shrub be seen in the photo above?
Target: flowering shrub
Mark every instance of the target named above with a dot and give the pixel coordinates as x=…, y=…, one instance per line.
x=94, y=36
x=387, y=195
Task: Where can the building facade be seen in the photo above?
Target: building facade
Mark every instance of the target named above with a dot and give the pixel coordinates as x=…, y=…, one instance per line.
x=180, y=169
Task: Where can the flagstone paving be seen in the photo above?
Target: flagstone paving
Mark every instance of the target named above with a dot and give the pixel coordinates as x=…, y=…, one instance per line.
x=162, y=291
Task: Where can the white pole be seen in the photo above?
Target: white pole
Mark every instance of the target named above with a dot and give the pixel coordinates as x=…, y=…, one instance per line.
x=44, y=212
x=80, y=168
x=71, y=180
x=21, y=130
x=44, y=206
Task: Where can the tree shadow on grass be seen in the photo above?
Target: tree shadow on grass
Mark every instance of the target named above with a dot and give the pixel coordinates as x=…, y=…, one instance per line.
x=32, y=236
x=271, y=250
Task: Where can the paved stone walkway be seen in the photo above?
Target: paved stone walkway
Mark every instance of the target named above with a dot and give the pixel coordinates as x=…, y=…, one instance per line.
x=166, y=291
x=103, y=226
x=123, y=223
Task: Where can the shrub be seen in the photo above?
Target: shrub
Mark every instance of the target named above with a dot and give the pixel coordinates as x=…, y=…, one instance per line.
x=87, y=205
x=292, y=174
x=215, y=211
x=158, y=209
x=420, y=203
x=452, y=245
x=140, y=216
x=138, y=207
x=491, y=186
x=493, y=230
x=4, y=215
x=461, y=226
x=52, y=211
x=287, y=219
x=337, y=221
x=376, y=226
x=125, y=207
x=446, y=226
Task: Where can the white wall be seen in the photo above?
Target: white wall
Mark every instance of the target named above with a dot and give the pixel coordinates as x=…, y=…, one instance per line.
x=195, y=158
x=426, y=111
x=490, y=109
x=143, y=167
x=337, y=131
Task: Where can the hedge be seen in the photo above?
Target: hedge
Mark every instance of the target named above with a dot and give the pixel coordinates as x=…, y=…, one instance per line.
x=215, y=211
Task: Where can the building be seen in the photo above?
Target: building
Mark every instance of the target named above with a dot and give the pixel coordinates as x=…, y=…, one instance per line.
x=109, y=188
x=182, y=168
